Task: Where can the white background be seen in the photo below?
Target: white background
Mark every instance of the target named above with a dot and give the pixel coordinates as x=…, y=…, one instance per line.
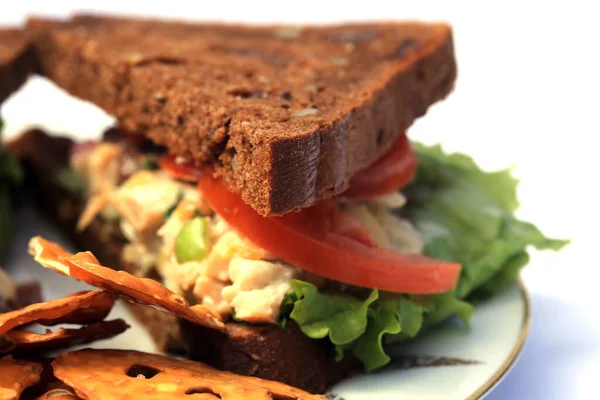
x=527, y=95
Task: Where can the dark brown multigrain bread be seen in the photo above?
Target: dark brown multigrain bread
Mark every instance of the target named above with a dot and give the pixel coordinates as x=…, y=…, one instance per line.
x=16, y=61
x=284, y=355
x=265, y=351
x=287, y=115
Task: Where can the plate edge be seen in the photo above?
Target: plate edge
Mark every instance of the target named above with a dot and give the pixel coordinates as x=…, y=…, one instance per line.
x=514, y=354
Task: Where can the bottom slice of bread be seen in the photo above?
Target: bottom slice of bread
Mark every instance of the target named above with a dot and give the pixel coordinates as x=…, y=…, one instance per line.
x=265, y=351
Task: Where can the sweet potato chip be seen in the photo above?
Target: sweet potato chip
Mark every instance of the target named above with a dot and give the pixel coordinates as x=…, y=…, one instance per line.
x=16, y=376
x=80, y=308
x=34, y=343
x=85, y=267
x=61, y=393
x=118, y=374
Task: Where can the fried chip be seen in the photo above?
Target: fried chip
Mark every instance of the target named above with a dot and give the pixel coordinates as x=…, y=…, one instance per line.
x=61, y=393
x=80, y=308
x=84, y=266
x=118, y=374
x=16, y=376
x=30, y=342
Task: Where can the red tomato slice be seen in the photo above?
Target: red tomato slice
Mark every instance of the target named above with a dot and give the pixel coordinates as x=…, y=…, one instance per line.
x=185, y=171
x=315, y=246
x=394, y=170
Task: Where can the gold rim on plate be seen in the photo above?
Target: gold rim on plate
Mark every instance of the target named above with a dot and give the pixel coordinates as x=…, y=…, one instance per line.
x=513, y=356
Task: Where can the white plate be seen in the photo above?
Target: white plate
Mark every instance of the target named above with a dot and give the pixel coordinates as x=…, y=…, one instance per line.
x=498, y=331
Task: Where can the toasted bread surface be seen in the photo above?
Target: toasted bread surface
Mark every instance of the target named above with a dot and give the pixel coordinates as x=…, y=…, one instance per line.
x=16, y=60
x=286, y=114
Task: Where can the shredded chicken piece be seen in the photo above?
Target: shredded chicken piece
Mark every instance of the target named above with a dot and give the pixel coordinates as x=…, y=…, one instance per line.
x=258, y=288
x=181, y=278
x=226, y=248
x=403, y=236
x=391, y=200
x=143, y=199
x=209, y=290
x=363, y=215
x=141, y=255
x=99, y=167
x=94, y=206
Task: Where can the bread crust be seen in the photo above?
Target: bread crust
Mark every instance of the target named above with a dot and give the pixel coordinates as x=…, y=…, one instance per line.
x=264, y=351
x=16, y=61
x=287, y=115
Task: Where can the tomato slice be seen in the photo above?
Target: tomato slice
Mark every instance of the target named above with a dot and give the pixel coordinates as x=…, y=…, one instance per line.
x=391, y=172
x=312, y=240
x=185, y=171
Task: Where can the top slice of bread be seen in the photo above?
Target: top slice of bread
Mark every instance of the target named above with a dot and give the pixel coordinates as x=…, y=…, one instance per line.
x=16, y=61
x=286, y=114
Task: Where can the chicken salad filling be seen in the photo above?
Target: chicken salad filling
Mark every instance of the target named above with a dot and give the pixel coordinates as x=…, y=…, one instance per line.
x=170, y=228
x=453, y=242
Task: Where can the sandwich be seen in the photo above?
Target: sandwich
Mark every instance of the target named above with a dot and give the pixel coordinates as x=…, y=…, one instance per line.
x=265, y=173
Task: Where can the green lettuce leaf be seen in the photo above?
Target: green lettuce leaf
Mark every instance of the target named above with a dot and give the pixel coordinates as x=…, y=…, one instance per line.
x=508, y=272
x=383, y=319
x=341, y=318
x=411, y=314
x=464, y=215
x=353, y=324
x=446, y=305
